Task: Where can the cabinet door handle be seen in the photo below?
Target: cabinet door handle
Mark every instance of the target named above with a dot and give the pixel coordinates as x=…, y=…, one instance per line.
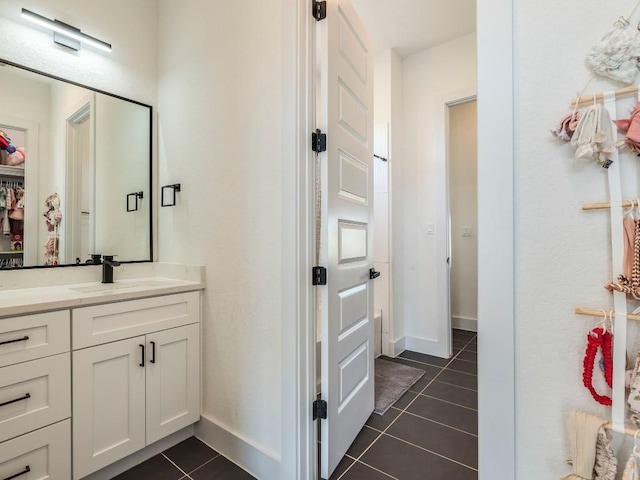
x=142, y=362
x=153, y=352
x=19, y=474
x=24, y=397
x=23, y=339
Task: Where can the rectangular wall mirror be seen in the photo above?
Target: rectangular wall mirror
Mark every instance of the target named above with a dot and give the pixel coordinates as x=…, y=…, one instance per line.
x=75, y=172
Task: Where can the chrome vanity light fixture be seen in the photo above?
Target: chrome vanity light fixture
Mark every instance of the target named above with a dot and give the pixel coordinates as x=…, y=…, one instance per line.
x=64, y=34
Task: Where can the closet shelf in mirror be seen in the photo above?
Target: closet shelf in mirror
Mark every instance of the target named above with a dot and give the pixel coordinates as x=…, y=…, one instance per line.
x=9, y=171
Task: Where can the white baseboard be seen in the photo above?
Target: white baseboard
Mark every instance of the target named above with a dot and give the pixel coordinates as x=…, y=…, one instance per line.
x=464, y=323
x=397, y=347
x=251, y=458
x=426, y=346
x=140, y=456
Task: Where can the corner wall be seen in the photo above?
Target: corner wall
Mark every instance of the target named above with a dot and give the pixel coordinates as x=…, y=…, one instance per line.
x=221, y=104
x=430, y=77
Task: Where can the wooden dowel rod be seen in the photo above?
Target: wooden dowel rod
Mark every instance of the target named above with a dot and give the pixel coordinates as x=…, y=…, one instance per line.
x=604, y=205
x=598, y=313
x=588, y=99
x=627, y=431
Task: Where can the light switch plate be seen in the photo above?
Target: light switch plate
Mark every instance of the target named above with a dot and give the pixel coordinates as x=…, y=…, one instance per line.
x=430, y=228
x=466, y=231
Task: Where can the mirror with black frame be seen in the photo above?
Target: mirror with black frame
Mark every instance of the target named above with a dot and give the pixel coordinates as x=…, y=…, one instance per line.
x=75, y=172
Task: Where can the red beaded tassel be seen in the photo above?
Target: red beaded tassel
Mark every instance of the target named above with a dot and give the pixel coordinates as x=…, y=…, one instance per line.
x=598, y=338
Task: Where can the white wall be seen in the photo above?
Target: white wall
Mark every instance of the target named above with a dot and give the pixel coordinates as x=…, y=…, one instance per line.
x=431, y=78
x=221, y=105
x=463, y=193
x=562, y=255
x=388, y=107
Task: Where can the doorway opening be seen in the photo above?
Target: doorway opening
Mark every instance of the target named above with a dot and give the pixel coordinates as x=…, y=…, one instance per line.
x=462, y=151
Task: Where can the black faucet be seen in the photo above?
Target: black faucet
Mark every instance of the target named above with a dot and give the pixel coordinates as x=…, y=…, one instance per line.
x=95, y=259
x=107, y=268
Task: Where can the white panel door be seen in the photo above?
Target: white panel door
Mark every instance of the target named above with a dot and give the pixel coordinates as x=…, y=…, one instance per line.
x=346, y=115
x=173, y=380
x=108, y=404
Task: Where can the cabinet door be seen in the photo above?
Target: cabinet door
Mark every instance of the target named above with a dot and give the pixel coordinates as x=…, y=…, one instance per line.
x=108, y=404
x=173, y=380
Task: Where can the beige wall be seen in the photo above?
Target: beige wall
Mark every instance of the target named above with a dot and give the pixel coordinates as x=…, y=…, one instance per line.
x=463, y=193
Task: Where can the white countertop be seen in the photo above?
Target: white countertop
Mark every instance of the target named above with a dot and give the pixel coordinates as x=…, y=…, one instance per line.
x=20, y=301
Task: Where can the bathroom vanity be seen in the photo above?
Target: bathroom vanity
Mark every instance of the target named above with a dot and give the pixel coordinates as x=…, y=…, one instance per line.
x=91, y=373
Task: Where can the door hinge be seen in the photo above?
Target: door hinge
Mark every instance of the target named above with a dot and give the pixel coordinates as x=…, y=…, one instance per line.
x=318, y=141
x=319, y=10
x=319, y=409
x=319, y=276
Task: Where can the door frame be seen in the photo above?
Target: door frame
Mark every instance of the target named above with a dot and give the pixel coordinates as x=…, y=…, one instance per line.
x=496, y=306
x=82, y=111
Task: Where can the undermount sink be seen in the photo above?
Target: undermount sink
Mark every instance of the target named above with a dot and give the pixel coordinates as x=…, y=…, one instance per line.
x=108, y=287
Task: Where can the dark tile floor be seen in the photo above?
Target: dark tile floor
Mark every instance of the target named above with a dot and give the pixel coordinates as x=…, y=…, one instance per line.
x=190, y=459
x=431, y=432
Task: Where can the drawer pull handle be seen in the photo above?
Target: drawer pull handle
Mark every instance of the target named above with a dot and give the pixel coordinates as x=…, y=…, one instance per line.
x=153, y=352
x=23, y=339
x=142, y=362
x=26, y=395
x=19, y=474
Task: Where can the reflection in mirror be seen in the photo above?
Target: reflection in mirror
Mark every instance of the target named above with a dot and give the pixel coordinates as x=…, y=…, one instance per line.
x=70, y=158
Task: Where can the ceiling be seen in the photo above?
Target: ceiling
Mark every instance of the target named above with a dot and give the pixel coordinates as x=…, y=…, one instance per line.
x=409, y=26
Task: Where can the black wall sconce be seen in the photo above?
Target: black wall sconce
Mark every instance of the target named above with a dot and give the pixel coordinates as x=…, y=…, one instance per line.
x=135, y=196
x=169, y=202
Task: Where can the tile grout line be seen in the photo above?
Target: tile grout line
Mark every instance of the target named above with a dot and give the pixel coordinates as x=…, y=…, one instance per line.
x=447, y=401
x=436, y=366
x=205, y=463
x=174, y=464
x=441, y=424
x=432, y=452
x=459, y=386
x=405, y=411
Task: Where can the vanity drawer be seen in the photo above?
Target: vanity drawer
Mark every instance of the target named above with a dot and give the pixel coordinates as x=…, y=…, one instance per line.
x=116, y=321
x=33, y=336
x=45, y=453
x=34, y=394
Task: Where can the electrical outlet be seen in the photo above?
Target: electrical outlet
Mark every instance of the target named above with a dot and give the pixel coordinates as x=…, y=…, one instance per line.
x=466, y=231
x=430, y=228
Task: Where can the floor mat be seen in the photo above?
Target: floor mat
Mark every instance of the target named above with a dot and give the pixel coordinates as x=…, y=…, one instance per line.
x=392, y=381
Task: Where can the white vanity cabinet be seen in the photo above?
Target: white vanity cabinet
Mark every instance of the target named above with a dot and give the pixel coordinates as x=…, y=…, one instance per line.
x=136, y=376
x=35, y=396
